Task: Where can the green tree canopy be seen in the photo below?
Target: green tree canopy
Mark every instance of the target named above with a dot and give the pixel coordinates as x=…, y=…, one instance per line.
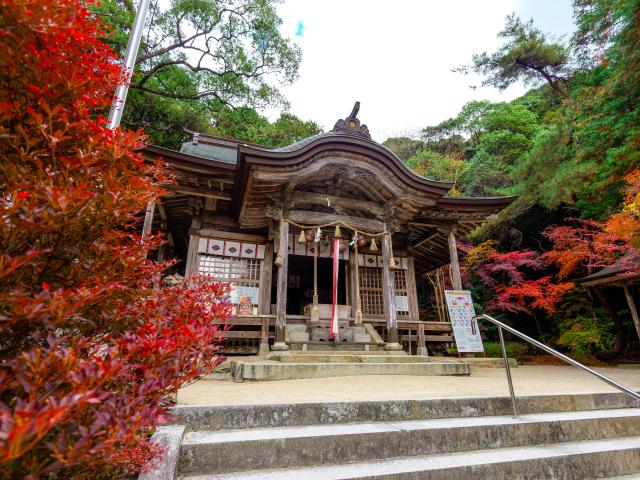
x=199, y=58
x=527, y=55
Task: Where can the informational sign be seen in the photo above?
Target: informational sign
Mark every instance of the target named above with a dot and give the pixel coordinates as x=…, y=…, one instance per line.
x=465, y=328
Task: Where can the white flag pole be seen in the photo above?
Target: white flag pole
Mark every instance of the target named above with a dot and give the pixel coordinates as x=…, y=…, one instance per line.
x=115, y=115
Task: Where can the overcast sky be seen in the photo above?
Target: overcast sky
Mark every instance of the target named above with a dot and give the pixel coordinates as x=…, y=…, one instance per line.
x=396, y=56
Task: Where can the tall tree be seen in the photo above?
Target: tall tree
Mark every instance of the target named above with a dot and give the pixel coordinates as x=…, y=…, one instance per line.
x=527, y=55
x=91, y=355
x=231, y=50
x=199, y=57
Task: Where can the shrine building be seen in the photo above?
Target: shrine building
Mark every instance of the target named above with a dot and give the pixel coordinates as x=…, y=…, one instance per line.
x=266, y=220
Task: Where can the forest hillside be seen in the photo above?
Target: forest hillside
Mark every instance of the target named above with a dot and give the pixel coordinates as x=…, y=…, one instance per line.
x=570, y=149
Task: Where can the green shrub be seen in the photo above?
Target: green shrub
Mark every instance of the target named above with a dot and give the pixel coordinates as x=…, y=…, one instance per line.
x=583, y=336
x=493, y=350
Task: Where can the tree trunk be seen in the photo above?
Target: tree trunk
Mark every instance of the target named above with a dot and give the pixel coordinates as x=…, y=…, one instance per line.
x=621, y=334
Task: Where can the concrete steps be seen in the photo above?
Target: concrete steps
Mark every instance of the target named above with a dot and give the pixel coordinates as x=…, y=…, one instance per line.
x=574, y=461
x=558, y=437
x=342, y=357
x=269, y=370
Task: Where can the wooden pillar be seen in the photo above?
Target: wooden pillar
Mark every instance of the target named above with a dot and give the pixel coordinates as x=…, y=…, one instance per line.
x=388, y=296
x=191, y=268
x=148, y=218
x=412, y=290
x=455, y=264
x=266, y=272
x=281, y=287
x=264, y=337
x=632, y=308
x=422, y=346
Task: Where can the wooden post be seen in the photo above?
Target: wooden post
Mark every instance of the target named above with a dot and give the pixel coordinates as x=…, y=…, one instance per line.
x=455, y=264
x=148, y=218
x=266, y=272
x=191, y=268
x=353, y=264
x=388, y=296
x=422, y=347
x=632, y=308
x=264, y=337
x=281, y=288
x=412, y=290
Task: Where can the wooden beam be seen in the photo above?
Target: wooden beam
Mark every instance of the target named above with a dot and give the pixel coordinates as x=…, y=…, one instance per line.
x=314, y=218
x=632, y=307
x=455, y=264
x=197, y=192
x=424, y=239
x=221, y=234
x=312, y=198
x=356, y=169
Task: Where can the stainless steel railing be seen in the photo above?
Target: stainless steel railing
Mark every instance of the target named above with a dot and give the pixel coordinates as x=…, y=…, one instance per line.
x=501, y=326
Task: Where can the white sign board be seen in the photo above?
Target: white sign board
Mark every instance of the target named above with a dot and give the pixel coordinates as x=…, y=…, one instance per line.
x=461, y=313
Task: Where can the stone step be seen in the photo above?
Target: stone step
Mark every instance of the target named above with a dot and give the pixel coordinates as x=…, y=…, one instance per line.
x=633, y=476
x=314, y=357
x=320, y=351
x=568, y=461
x=329, y=413
x=268, y=370
x=294, y=327
x=241, y=450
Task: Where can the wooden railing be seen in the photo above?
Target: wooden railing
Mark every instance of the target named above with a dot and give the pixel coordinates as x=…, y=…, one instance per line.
x=238, y=340
x=412, y=333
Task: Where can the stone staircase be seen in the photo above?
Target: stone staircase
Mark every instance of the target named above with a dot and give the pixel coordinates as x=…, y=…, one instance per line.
x=564, y=437
x=297, y=364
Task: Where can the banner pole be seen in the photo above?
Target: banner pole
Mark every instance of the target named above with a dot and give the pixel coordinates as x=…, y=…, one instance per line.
x=117, y=106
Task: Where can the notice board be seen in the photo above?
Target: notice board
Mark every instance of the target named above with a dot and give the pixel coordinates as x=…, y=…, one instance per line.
x=465, y=328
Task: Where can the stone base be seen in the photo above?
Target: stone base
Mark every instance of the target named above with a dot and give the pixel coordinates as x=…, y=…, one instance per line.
x=269, y=370
x=422, y=351
x=280, y=347
x=393, y=347
x=264, y=349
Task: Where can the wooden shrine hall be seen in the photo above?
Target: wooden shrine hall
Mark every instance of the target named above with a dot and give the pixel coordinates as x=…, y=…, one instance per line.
x=266, y=220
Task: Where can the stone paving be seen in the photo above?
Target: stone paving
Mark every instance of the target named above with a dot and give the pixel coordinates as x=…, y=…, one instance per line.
x=483, y=382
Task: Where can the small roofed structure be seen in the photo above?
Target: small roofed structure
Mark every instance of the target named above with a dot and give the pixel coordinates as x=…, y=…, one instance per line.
x=262, y=218
x=622, y=273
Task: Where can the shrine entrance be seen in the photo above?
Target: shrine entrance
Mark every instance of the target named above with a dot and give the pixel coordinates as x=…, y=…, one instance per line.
x=300, y=283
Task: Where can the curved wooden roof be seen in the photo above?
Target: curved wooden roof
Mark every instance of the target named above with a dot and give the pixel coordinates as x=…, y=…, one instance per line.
x=342, y=170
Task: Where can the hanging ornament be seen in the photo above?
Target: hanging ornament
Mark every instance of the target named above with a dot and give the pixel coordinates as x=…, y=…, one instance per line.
x=362, y=241
x=374, y=245
x=302, y=238
x=310, y=235
x=392, y=261
x=343, y=246
x=337, y=233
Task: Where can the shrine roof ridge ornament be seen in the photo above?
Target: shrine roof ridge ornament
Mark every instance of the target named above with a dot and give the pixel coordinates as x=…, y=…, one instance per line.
x=351, y=125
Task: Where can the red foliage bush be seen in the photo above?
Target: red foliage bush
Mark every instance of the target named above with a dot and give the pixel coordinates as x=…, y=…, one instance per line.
x=90, y=353
x=508, y=277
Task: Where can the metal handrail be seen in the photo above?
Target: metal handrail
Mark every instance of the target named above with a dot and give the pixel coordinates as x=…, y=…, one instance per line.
x=547, y=349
